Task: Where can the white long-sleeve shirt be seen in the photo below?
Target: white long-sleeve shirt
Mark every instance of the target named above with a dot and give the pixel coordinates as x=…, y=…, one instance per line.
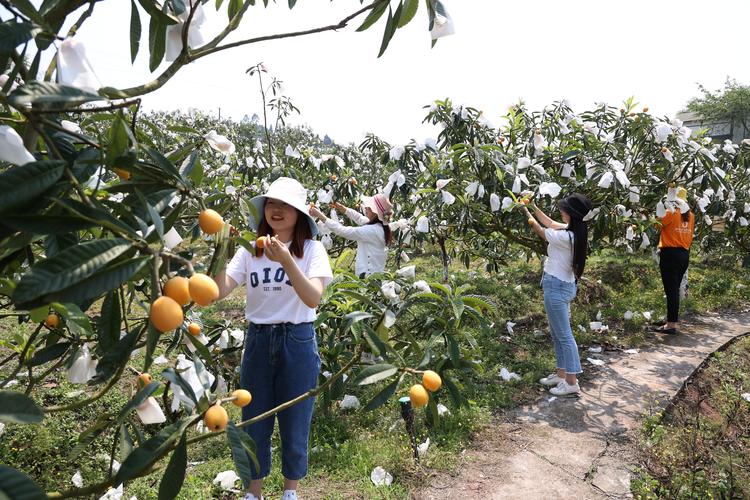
x=372, y=252
x=357, y=217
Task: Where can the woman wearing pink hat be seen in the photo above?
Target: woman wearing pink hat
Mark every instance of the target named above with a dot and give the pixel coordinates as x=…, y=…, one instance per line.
x=373, y=235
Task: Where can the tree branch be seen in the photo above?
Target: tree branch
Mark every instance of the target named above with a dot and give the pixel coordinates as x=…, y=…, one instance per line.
x=341, y=24
x=101, y=486
x=213, y=46
x=79, y=404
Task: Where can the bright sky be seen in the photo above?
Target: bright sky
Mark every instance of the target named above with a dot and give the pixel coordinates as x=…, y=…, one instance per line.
x=540, y=51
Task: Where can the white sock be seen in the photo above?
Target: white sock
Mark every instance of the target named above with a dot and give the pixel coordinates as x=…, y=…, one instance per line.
x=289, y=495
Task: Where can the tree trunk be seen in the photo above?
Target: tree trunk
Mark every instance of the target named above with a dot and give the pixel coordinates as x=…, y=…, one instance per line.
x=444, y=257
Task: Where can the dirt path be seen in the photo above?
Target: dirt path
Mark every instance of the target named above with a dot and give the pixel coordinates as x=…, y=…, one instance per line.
x=584, y=448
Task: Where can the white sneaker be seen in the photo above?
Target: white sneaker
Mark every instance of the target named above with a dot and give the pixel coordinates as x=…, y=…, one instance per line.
x=250, y=496
x=565, y=389
x=551, y=380
x=289, y=495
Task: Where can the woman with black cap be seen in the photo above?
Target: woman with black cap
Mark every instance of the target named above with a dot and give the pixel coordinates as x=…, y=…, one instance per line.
x=566, y=258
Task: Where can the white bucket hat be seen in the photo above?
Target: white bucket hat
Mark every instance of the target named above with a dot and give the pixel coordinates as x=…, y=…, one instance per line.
x=291, y=192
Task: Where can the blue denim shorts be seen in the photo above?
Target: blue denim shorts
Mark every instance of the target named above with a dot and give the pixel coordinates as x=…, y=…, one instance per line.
x=280, y=362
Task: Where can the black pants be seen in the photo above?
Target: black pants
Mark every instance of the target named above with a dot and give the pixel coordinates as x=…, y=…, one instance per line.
x=673, y=262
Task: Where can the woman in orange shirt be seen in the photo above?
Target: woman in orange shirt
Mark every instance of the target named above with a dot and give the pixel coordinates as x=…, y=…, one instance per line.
x=674, y=243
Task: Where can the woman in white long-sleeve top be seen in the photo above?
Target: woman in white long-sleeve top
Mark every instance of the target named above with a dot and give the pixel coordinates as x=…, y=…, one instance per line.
x=373, y=235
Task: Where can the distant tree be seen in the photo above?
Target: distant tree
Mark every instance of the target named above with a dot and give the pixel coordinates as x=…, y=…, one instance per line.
x=731, y=102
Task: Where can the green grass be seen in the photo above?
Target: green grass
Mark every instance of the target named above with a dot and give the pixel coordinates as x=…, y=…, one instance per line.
x=349, y=445
x=700, y=448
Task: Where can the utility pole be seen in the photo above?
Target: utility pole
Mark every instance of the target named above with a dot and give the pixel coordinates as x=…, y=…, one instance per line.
x=219, y=112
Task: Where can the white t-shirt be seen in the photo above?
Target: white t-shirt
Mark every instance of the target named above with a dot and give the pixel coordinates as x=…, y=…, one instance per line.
x=559, y=261
x=270, y=295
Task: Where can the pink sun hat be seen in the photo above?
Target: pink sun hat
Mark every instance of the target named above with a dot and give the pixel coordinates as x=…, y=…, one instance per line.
x=380, y=205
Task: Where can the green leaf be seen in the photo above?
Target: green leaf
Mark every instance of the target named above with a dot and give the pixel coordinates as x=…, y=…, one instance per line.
x=150, y=451
x=174, y=377
x=239, y=454
x=355, y=317
x=458, y=309
x=174, y=475
x=26, y=8
x=234, y=8
x=383, y=396
x=47, y=224
x=433, y=415
x=135, y=31
x=157, y=37
x=152, y=340
x=249, y=445
x=156, y=219
x=200, y=347
x=108, y=326
x=390, y=29
x=154, y=10
x=104, y=423
x=46, y=93
x=18, y=408
x=24, y=183
x=118, y=142
x=77, y=321
x=103, y=281
x=202, y=374
x=68, y=268
x=178, y=6
x=185, y=129
x=179, y=154
x=375, y=373
x=137, y=401
x=98, y=215
x=410, y=10
x=118, y=355
x=479, y=303
x=17, y=485
x=373, y=16
x=126, y=443
x=453, y=350
x=13, y=34
x=377, y=345
x=164, y=164
x=39, y=314
x=454, y=391
x=196, y=175
x=90, y=434
x=49, y=353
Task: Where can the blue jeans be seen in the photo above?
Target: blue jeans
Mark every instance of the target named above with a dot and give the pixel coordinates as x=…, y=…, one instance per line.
x=281, y=362
x=558, y=295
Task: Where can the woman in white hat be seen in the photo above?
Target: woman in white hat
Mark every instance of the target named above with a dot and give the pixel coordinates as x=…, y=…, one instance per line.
x=285, y=276
x=373, y=235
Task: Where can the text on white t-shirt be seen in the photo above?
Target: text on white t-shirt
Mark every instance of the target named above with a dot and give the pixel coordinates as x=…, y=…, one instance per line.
x=270, y=296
